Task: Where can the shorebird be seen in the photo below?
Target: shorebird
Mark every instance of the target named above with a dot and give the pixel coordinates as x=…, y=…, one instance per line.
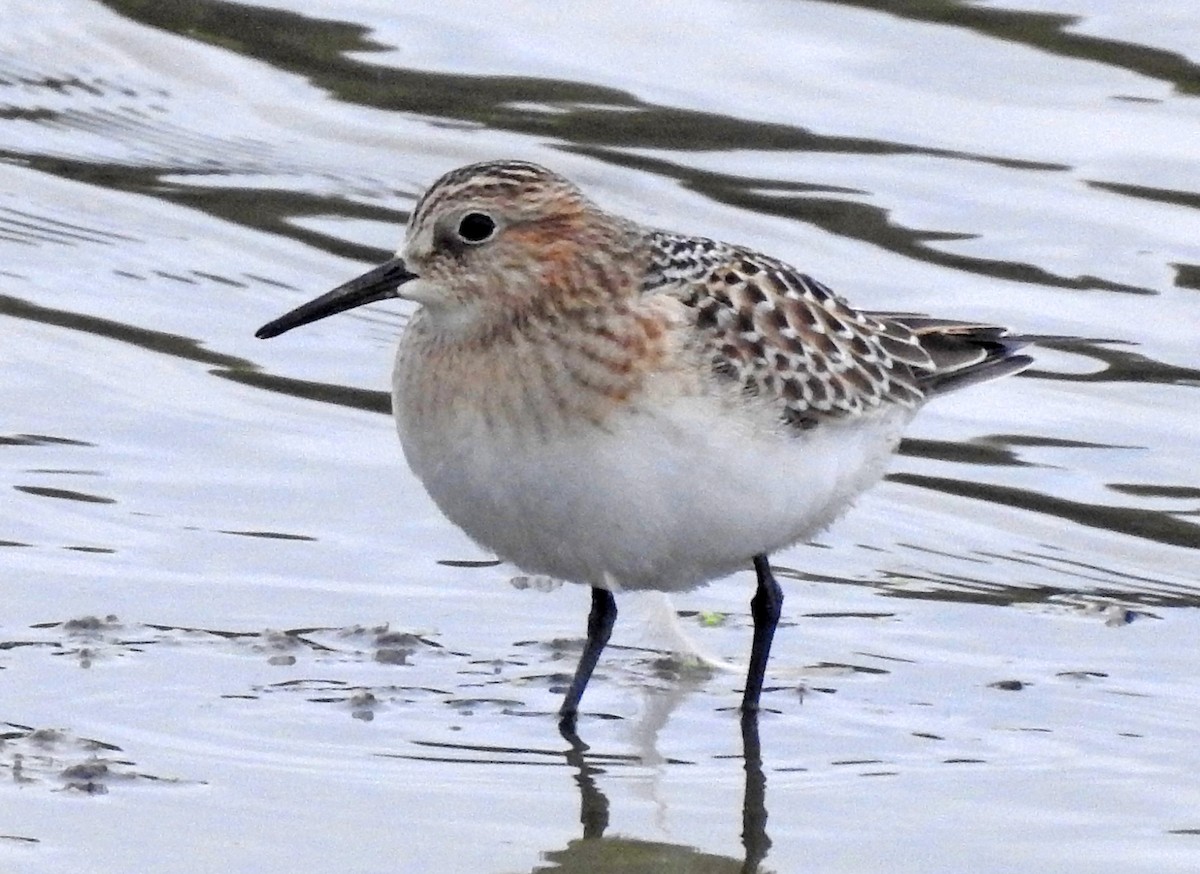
x=630, y=408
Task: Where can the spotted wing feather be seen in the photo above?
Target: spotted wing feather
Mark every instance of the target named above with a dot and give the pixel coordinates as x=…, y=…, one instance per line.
x=782, y=336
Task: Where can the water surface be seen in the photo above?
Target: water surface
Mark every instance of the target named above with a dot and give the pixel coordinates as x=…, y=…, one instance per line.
x=237, y=635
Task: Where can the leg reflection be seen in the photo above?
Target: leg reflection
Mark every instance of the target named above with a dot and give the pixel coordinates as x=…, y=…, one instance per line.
x=754, y=801
x=593, y=804
x=595, y=852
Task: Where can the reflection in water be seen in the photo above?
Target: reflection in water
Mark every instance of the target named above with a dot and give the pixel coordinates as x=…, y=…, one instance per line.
x=754, y=800
x=849, y=218
x=173, y=169
x=595, y=852
x=1051, y=32
x=1151, y=525
x=600, y=121
x=593, y=804
x=85, y=120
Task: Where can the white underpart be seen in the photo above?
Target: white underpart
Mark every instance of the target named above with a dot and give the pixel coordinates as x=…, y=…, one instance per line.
x=665, y=496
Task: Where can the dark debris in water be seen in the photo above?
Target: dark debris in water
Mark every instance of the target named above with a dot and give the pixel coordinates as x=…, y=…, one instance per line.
x=469, y=706
x=65, y=494
x=91, y=638
x=20, y=839
x=91, y=625
x=39, y=440
x=272, y=535
x=65, y=762
x=1008, y=685
x=363, y=702
x=468, y=563
x=844, y=668
x=1082, y=675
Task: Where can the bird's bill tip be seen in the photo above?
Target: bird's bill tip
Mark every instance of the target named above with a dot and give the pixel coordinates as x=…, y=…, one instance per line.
x=378, y=284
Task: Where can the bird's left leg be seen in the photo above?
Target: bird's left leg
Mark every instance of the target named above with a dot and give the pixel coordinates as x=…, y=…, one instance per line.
x=765, y=607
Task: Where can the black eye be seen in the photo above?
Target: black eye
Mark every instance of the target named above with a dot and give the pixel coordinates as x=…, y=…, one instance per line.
x=475, y=227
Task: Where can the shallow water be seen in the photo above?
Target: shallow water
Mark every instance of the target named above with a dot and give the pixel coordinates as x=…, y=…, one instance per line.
x=238, y=636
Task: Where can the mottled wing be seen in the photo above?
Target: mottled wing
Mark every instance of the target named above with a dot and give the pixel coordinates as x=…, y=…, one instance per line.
x=782, y=336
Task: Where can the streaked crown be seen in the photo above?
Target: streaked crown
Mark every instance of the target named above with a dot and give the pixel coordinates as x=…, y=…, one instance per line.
x=505, y=236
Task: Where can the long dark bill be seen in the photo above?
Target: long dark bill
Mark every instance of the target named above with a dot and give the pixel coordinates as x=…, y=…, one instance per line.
x=377, y=284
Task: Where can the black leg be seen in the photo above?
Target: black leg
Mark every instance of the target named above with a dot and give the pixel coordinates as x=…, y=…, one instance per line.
x=764, y=608
x=599, y=628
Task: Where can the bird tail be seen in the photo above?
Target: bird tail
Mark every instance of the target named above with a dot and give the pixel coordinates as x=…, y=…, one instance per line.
x=963, y=353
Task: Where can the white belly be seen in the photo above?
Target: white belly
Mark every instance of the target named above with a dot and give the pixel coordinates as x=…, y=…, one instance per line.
x=664, y=498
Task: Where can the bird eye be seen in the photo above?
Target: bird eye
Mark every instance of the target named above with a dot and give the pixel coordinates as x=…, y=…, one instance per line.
x=475, y=227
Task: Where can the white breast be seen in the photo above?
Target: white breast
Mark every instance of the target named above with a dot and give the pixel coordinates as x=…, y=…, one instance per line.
x=664, y=496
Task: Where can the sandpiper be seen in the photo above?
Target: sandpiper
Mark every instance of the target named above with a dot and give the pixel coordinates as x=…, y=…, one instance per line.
x=631, y=408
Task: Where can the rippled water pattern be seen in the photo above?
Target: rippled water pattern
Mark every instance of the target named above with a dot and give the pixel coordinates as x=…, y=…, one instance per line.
x=238, y=636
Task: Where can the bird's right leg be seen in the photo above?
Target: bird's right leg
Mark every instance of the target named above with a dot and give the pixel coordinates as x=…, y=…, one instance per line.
x=765, y=608
x=599, y=629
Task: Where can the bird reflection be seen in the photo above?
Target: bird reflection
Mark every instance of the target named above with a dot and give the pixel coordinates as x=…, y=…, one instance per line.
x=754, y=799
x=594, y=853
x=593, y=804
